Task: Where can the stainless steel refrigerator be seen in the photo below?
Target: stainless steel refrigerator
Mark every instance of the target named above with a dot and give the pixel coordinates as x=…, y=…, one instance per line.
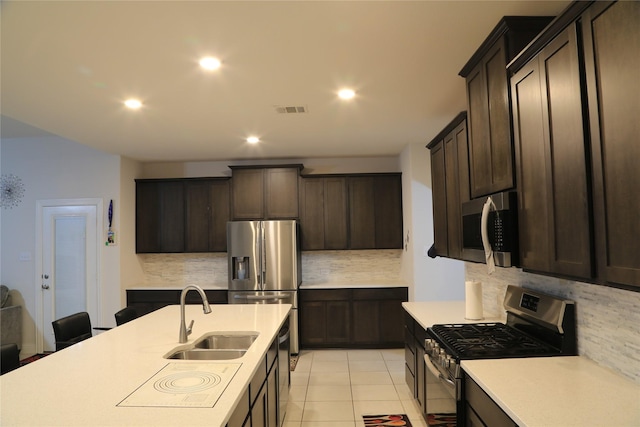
x=265, y=266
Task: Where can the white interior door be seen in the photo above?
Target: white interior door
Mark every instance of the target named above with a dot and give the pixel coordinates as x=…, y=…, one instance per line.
x=68, y=279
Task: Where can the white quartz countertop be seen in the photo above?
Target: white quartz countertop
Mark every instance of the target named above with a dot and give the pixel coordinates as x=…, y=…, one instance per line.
x=350, y=285
x=156, y=287
x=558, y=391
x=432, y=313
x=81, y=385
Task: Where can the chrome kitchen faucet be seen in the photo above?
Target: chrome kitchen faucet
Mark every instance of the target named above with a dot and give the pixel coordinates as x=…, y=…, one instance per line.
x=184, y=331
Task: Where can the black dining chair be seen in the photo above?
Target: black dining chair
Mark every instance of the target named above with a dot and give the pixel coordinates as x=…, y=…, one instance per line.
x=10, y=359
x=125, y=315
x=71, y=329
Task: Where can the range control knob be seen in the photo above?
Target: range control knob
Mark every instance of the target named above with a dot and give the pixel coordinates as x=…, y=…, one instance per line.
x=429, y=345
x=435, y=350
x=446, y=363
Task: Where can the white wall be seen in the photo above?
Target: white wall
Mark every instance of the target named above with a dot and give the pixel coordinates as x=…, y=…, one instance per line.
x=131, y=266
x=54, y=168
x=438, y=279
x=311, y=166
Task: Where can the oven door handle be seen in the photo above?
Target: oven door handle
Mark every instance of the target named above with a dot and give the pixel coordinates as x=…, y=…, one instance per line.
x=431, y=366
x=264, y=297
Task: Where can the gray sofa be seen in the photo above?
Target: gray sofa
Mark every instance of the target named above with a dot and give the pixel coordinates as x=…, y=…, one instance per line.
x=10, y=320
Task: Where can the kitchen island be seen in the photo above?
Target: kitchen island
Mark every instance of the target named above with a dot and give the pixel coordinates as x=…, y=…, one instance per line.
x=83, y=385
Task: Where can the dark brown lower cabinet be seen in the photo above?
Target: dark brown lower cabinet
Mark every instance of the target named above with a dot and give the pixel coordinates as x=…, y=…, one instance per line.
x=272, y=396
x=352, y=318
x=481, y=410
x=148, y=300
x=259, y=404
x=377, y=317
x=324, y=318
x=240, y=416
x=415, y=375
x=259, y=409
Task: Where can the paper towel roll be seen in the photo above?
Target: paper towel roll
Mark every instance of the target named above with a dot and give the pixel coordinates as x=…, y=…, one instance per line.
x=473, y=300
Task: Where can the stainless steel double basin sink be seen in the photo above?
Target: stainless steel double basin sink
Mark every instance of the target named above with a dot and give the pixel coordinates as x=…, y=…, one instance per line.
x=215, y=346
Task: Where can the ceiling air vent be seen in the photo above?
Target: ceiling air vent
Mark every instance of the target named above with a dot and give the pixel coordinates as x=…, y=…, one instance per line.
x=290, y=110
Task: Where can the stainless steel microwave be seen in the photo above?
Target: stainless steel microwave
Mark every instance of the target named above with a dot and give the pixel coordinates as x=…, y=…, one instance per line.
x=490, y=229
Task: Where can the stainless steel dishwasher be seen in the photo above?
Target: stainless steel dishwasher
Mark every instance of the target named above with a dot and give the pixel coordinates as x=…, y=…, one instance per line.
x=284, y=371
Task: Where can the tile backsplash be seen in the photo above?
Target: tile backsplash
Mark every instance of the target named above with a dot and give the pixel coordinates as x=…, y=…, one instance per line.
x=608, y=318
x=210, y=269
x=178, y=270
x=357, y=267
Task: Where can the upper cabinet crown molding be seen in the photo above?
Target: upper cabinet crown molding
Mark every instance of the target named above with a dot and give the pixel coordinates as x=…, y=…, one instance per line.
x=518, y=31
x=489, y=104
x=555, y=27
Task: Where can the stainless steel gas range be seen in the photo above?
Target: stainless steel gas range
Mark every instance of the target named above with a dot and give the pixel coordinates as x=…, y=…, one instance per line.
x=537, y=325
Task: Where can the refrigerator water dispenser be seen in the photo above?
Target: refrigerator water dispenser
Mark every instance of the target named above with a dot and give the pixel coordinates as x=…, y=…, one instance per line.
x=240, y=268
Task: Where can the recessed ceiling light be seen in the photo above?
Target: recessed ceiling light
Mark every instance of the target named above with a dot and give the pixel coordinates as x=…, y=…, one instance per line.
x=253, y=140
x=346, y=93
x=133, y=104
x=209, y=63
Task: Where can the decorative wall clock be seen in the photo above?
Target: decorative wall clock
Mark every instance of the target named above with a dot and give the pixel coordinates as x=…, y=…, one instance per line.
x=12, y=190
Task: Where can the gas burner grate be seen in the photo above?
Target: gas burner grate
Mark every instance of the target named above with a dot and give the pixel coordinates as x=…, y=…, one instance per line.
x=488, y=340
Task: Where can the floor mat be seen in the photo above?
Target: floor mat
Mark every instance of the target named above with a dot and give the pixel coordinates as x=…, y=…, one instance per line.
x=33, y=358
x=386, y=420
x=441, y=420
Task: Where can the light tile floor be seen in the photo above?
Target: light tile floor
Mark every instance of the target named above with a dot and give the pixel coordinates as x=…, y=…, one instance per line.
x=337, y=387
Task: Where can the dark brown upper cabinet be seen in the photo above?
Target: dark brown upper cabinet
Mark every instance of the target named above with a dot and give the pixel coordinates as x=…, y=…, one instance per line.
x=611, y=37
x=375, y=211
x=488, y=103
x=206, y=214
x=551, y=160
x=265, y=192
x=159, y=216
x=324, y=212
x=450, y=185
x=353, y=211
x=182, y=215
x=575, y=136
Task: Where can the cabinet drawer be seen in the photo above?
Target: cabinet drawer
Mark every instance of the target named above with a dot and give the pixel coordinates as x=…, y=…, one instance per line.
x=325, y=295
x=380, y=294
x=258, y=379
x=409, y=323
x=485, y=407
x=421, y=335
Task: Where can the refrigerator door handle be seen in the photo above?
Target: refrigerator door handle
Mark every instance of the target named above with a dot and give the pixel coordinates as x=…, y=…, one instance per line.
x=263, y=258
x=264, y=297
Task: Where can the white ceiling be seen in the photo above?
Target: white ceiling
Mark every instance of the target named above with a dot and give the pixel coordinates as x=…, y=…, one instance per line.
x=67, y=67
